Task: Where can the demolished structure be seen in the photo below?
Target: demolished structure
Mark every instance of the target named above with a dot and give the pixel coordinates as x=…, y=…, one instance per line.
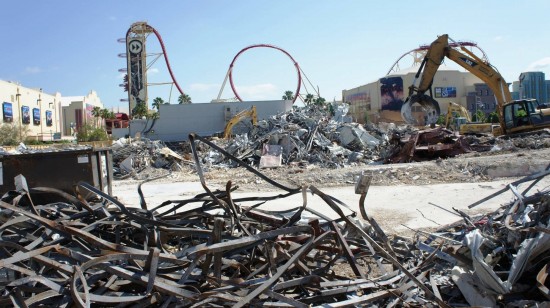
x=214, y=250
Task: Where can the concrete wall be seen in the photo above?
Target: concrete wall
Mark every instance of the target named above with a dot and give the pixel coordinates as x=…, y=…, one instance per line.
x=176, y=122
x=48, y=104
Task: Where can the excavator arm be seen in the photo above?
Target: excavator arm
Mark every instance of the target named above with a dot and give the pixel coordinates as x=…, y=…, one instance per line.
x=239, y=117
x=437, y=52
x=519, y=116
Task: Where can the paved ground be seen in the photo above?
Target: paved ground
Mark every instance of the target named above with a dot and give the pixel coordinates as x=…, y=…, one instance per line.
x=392, y=206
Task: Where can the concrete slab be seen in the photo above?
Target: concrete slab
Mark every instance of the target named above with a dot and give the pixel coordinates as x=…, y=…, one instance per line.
x=391, y=206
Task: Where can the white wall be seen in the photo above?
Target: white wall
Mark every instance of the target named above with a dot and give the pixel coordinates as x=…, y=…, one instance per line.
x=176, y=122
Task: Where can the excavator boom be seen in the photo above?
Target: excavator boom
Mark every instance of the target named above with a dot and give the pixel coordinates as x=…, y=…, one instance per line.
x=514, y=116
x=239, y=117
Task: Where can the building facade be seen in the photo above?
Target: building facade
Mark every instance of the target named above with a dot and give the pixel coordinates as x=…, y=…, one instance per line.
x=38, y=115
x=533, y=85
x=32, y=112
x=77, y=111
x=381, y=100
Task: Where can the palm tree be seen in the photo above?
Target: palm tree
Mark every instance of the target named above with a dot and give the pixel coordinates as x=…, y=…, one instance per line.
x=288, y=96
x=309, y=99
x=184, y=99
x=320, y=101
x=96, y=113
x=139, y=111
x=157, y=102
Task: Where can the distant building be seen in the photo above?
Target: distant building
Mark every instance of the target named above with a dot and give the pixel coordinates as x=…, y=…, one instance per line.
x=481, y=99
x=533, y=85
x=381, y=100
x=77, y=111
x=39, y=115
x=36, y=114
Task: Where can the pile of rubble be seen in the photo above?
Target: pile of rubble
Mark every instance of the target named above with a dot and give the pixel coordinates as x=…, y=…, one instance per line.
x=137, y=158
x=213, y=250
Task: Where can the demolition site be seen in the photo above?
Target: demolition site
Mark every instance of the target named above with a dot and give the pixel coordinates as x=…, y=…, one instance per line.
x=416, y=190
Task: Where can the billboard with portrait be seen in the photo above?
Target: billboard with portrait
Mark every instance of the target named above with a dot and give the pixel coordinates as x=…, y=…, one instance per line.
x=25, y=115
x=36, y=116
x=7, y=112
x=49, y=121
x=391, y=93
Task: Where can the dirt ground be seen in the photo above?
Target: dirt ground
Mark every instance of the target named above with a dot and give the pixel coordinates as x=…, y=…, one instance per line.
x=466, y=168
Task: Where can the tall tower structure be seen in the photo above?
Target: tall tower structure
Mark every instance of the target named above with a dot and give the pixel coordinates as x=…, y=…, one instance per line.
x=137, y=65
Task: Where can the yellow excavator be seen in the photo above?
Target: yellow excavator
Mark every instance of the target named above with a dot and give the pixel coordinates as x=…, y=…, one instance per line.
x=458, y=119
x=251, y=113
x=518, y=116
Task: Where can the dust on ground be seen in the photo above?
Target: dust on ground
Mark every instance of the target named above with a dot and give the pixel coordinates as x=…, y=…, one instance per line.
x=466, y=168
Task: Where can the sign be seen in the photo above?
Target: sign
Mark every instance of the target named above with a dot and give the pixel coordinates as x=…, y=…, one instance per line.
x=135, y=46
x=442, y=92
x=25, y=115
x=49, y=121
x=36, y=116
x=7, y=112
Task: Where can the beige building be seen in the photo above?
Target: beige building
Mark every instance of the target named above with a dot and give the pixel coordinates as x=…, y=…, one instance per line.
x=42, y=116
x=34, y=113
x=381, y=100
x=77, y=111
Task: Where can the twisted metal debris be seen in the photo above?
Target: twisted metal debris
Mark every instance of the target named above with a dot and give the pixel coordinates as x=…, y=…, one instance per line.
x=211, y=251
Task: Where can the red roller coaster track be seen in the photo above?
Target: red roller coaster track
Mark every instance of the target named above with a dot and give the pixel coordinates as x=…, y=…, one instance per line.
x=230, y=71
x=453, y=44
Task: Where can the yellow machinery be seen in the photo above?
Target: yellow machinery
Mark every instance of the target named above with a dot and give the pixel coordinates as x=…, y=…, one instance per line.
x=517, y=116
x=458, y=119
x=251, y=113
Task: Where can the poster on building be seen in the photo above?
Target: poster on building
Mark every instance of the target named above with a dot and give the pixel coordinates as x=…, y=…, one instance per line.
x=442, y=92
x=89, y=112
x=391, y=93
x=36, y=116
x=7, y=112
x=49, y=121
x=25, y=115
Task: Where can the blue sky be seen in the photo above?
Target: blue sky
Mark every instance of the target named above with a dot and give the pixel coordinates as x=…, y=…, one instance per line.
x=71, y=46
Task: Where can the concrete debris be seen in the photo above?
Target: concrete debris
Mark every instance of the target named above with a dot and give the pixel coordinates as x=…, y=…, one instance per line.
x=132, y=158
x=215, y=250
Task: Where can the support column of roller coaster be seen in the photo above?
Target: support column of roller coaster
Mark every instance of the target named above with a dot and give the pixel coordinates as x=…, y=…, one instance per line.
x=136, y=78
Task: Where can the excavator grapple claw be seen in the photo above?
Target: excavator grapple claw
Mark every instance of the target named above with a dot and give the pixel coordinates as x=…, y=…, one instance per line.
x=429, y=106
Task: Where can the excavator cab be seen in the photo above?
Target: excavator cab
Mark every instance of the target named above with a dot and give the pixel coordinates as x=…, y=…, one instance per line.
x=523, y=115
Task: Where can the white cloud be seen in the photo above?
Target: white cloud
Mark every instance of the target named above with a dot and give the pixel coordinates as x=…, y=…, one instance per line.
x=33, y=70
x=259, y=92
x=498, y=38
x=153, y=70
x=201, y=87
x=540, y=64
x=112, y=18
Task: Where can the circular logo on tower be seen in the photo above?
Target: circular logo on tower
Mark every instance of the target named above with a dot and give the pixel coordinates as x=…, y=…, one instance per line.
x=135, y=46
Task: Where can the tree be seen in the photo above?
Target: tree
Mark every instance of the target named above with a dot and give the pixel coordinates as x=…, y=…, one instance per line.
x=309, y=99
x=96, y=113
x=478, y=116
x=492, y=118
x=139, y=111
x=289, y=95
x=184, y=99
x=319, y=101
x=157, y=102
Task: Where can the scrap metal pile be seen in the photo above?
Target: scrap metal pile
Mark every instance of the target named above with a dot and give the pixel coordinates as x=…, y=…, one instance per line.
x=213, y=250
